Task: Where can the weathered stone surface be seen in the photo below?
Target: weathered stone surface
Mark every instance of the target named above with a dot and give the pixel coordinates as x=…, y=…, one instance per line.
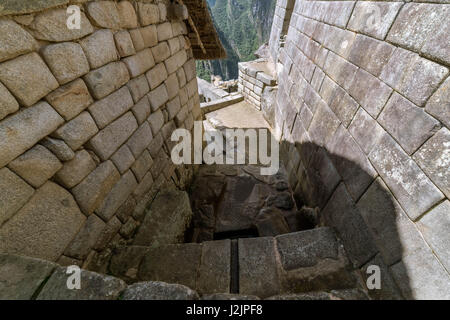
x=172, y=85
x=28, y=78
x=8, y=103
x=123, y=159
x=124, y=43
x=340, y=70
x=434, y=227
x=412, y=75
x=140, y=139
x=51, y=26
x=165, y=220
x=138, y=87
x=15, y=193
x=77, y=131
x=156, y=290
x=407, y=123
x=66, y=61
x=161, y=52
x=21, y=131
x=99, y=48
x=104, y=14
x=21, y=277
x=258, y=274
x=140, y=62
x=127, y=14
x=86, y=238
x=158, y=97
x=363, y=11
x=214, y=271
x=164, y=31
x=94, y=286
x=109, y=139
x=149, y=36
x=14, y=39
x=434, y=159
x=176, y=263
x=59, y=148
x=157, y=75
x=111, y=107
x=75, y=170
x=176, y=61
x=44, y=226
x=137, y=39
x=365, y=130
x=155, y=145
x=128, y=228
x=271, y=222
x=228, y=296
x=439, y=103
x=91, y=192
x=141, y=110
x=323, y=125
x=173, y=107
x=107, y=79
x=70, y=99
x=117, y=196
x=36, y=166
x=142, y=165
x=107, y=234
x=148, y=13
x=410, y=186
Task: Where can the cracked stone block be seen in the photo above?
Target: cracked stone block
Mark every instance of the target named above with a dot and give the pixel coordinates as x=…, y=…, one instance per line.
x=36, y=166
x=15, y=40
x=51, y=25
x=158, y=97
x=29, y=125
x=106, y=79
x=86, y=238
x=15, y=193
x=91, y=192
x=109, y=139
x=413, y=76
x=117, y=196
x=410, y=186
x=99, y=48
x=407, y=123
x=124, y=43
x=44, y=226
x=8, y=103
x=94, y=286
x=156, y=290
x=28, y=78
x=140, y=62
x=434, y=227
x=434, y=159
x=75, y=170
x=104, y=14
x=66, y=61
x=77, y=131
x=439, y=104
x=138, y=87
x=149, y=36
x=148, y=13
x=21, y=277
x=111, y=107
x=123, y=159
x=156, y=75
x=127, y=14
x=71, y=99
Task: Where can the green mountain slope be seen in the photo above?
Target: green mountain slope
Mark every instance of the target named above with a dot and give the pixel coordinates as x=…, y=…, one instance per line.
x=242, y=25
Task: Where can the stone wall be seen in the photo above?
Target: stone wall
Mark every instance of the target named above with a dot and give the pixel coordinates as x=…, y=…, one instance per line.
x=85, y=122
x=363, y=110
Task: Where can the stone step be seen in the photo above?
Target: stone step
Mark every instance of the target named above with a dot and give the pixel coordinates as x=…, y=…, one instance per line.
x=214, y=105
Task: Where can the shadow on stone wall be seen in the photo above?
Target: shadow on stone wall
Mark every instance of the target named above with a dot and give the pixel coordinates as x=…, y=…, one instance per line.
x=373, y=227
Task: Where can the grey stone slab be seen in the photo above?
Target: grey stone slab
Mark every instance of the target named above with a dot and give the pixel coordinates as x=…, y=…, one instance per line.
x=439, y=104
x=106, y=79
x=12, y=46
x=214, y=272
x=75, y=170
x=77, y=131
x=156, y=290
x=365, y=130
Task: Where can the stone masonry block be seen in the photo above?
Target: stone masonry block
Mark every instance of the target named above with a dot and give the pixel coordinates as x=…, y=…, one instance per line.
x=413, y=76
x=434, y=159
x=158, y=97
x=123, y=158
x=29, y=126
x=407, y=123
x=340, y=70
x=99, y=48
x=44, y=226
x=77, y=131
x=91, y=192
x=15, y=193
x=111, y=107
x=323, y=124
x=15, y=40
x=176, y=61
x=140, y=139
x=214, y=271
x=138, y=87
x=161, y=52
x=36, y=166
x=75, y=170
x=28, y=78
x=104, y=80
x=410, y=186
x=109, y=139
x=149, y=36
x=141, y=110
x=172, y=107
x=8, y=103
x=104, y=14
x=140, y=62
x=148, y=13
x=137, y=39
x=164, y=31
x=127, y=14
x=156, y=75
x=439, y=103
x=142, y=165
x=71, y=99
x=59, y=148
x=66, y=61
x=111, y=229
x=124, y=43
x=365, y=130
